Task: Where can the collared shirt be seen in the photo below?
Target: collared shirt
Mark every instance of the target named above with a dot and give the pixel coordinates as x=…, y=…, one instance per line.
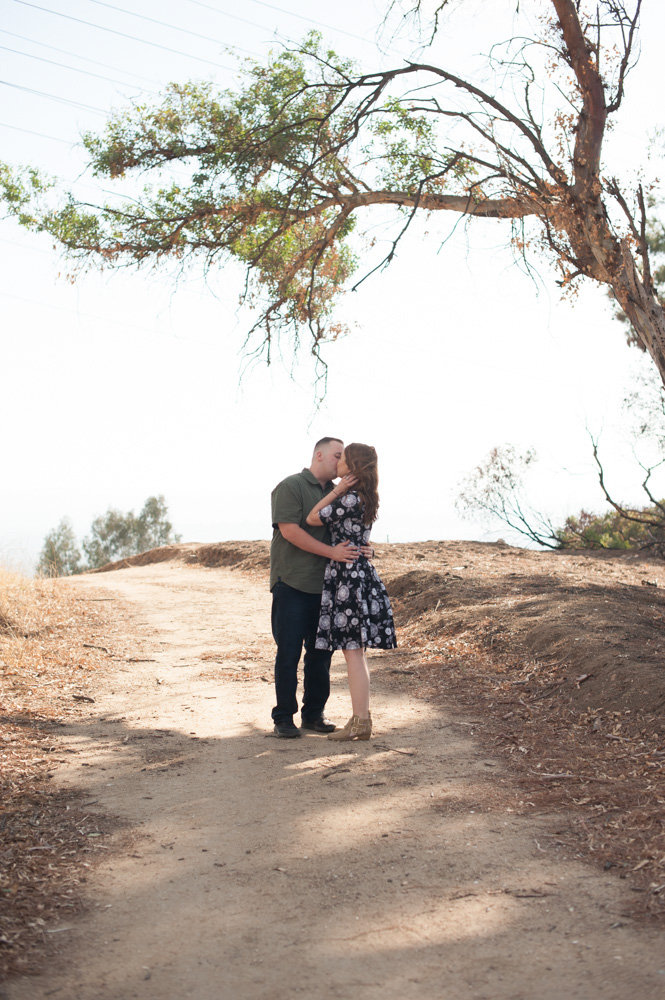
x=292, y=500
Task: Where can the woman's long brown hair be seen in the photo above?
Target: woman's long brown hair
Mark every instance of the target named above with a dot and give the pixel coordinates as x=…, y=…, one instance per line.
x=363, y=463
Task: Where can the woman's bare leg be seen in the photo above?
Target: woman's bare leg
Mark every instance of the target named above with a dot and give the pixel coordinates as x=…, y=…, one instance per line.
x=358, y=674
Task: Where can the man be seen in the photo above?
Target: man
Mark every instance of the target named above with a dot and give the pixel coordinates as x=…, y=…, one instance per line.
x=298, y=556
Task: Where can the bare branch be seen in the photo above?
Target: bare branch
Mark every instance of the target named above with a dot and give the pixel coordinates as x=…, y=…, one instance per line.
x=630, y=515
x=645, y=486
x=619, y=10
x=487, y=99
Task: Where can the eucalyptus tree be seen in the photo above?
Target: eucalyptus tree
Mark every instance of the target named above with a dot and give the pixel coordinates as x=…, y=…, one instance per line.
x=117, y=534
x=60, y=554
x=281, y=170
x=113, y=535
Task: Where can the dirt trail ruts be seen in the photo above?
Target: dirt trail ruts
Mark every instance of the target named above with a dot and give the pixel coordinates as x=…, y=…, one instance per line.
x=250, y=867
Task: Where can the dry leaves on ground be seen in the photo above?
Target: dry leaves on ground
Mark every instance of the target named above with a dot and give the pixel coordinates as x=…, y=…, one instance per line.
x=49, y=651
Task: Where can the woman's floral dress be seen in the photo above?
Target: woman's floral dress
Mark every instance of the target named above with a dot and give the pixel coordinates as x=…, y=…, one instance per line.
x=355, y=607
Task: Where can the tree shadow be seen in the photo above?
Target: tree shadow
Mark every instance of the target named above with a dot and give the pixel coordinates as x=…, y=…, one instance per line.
x=265, y=867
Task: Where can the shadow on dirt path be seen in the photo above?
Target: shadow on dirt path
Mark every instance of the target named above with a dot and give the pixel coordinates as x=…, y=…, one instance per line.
x=249, y=867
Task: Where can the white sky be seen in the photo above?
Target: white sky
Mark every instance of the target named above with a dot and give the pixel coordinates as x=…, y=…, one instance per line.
x=126, y=385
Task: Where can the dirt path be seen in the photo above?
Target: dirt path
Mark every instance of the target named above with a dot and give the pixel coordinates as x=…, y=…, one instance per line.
x=259, y=868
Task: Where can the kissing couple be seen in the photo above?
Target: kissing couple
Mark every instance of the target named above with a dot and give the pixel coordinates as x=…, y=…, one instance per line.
x=326, y=593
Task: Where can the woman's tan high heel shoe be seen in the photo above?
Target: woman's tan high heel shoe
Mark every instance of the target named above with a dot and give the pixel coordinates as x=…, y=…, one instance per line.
x=355, y=729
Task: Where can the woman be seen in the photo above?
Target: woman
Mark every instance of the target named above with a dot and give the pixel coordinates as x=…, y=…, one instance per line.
x=355, y=608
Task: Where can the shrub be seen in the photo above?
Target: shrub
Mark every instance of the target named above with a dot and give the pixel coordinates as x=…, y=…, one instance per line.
x=641, y=529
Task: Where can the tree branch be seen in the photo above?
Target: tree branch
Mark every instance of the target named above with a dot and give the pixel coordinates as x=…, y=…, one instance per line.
x=630, y=515
x=591, y=120
x=627, y=49
x=487, y=99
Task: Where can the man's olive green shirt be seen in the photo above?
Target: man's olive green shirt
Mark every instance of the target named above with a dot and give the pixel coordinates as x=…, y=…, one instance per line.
x=292, y=500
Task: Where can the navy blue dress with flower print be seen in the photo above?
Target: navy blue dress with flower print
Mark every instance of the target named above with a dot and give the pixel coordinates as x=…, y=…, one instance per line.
x=355, y=607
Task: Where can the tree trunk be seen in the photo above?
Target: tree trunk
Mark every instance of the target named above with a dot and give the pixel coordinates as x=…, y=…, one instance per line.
x=610, y=261
x=642, y=308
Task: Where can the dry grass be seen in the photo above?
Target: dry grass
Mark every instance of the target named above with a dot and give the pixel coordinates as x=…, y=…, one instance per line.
x=44, y=666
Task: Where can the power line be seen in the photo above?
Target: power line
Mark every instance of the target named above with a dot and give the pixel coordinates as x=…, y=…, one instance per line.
x=29, y=131
x=281, y=10
x=301, y=17
x=225, y=13
x=174, y=27
x=24, y=246
x=68, y=52
x=76, y=312
x=53, y=97
x=74, y=69
x=123, y=34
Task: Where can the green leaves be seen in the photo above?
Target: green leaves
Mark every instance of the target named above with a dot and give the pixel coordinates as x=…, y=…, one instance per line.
x=21, y=190
x=411, y=158
x=267, y=174
x=645, y=528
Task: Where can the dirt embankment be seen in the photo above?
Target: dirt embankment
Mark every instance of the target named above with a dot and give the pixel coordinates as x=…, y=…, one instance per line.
x=246, y=556
x=596, y=615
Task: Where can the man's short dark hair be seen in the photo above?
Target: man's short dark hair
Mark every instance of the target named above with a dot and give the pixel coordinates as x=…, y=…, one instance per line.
x=326, y=440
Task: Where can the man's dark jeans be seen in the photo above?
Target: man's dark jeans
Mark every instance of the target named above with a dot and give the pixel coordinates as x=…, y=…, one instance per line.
x=295, y=618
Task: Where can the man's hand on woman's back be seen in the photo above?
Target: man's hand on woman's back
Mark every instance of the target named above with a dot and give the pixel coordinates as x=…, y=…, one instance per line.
x=345, y=552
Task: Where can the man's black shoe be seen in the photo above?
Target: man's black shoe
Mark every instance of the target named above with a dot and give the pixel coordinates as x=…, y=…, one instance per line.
x=320, y=725
x=286, y=730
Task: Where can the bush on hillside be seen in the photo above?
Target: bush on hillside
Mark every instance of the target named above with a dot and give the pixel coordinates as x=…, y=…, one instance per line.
x=642, y=529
